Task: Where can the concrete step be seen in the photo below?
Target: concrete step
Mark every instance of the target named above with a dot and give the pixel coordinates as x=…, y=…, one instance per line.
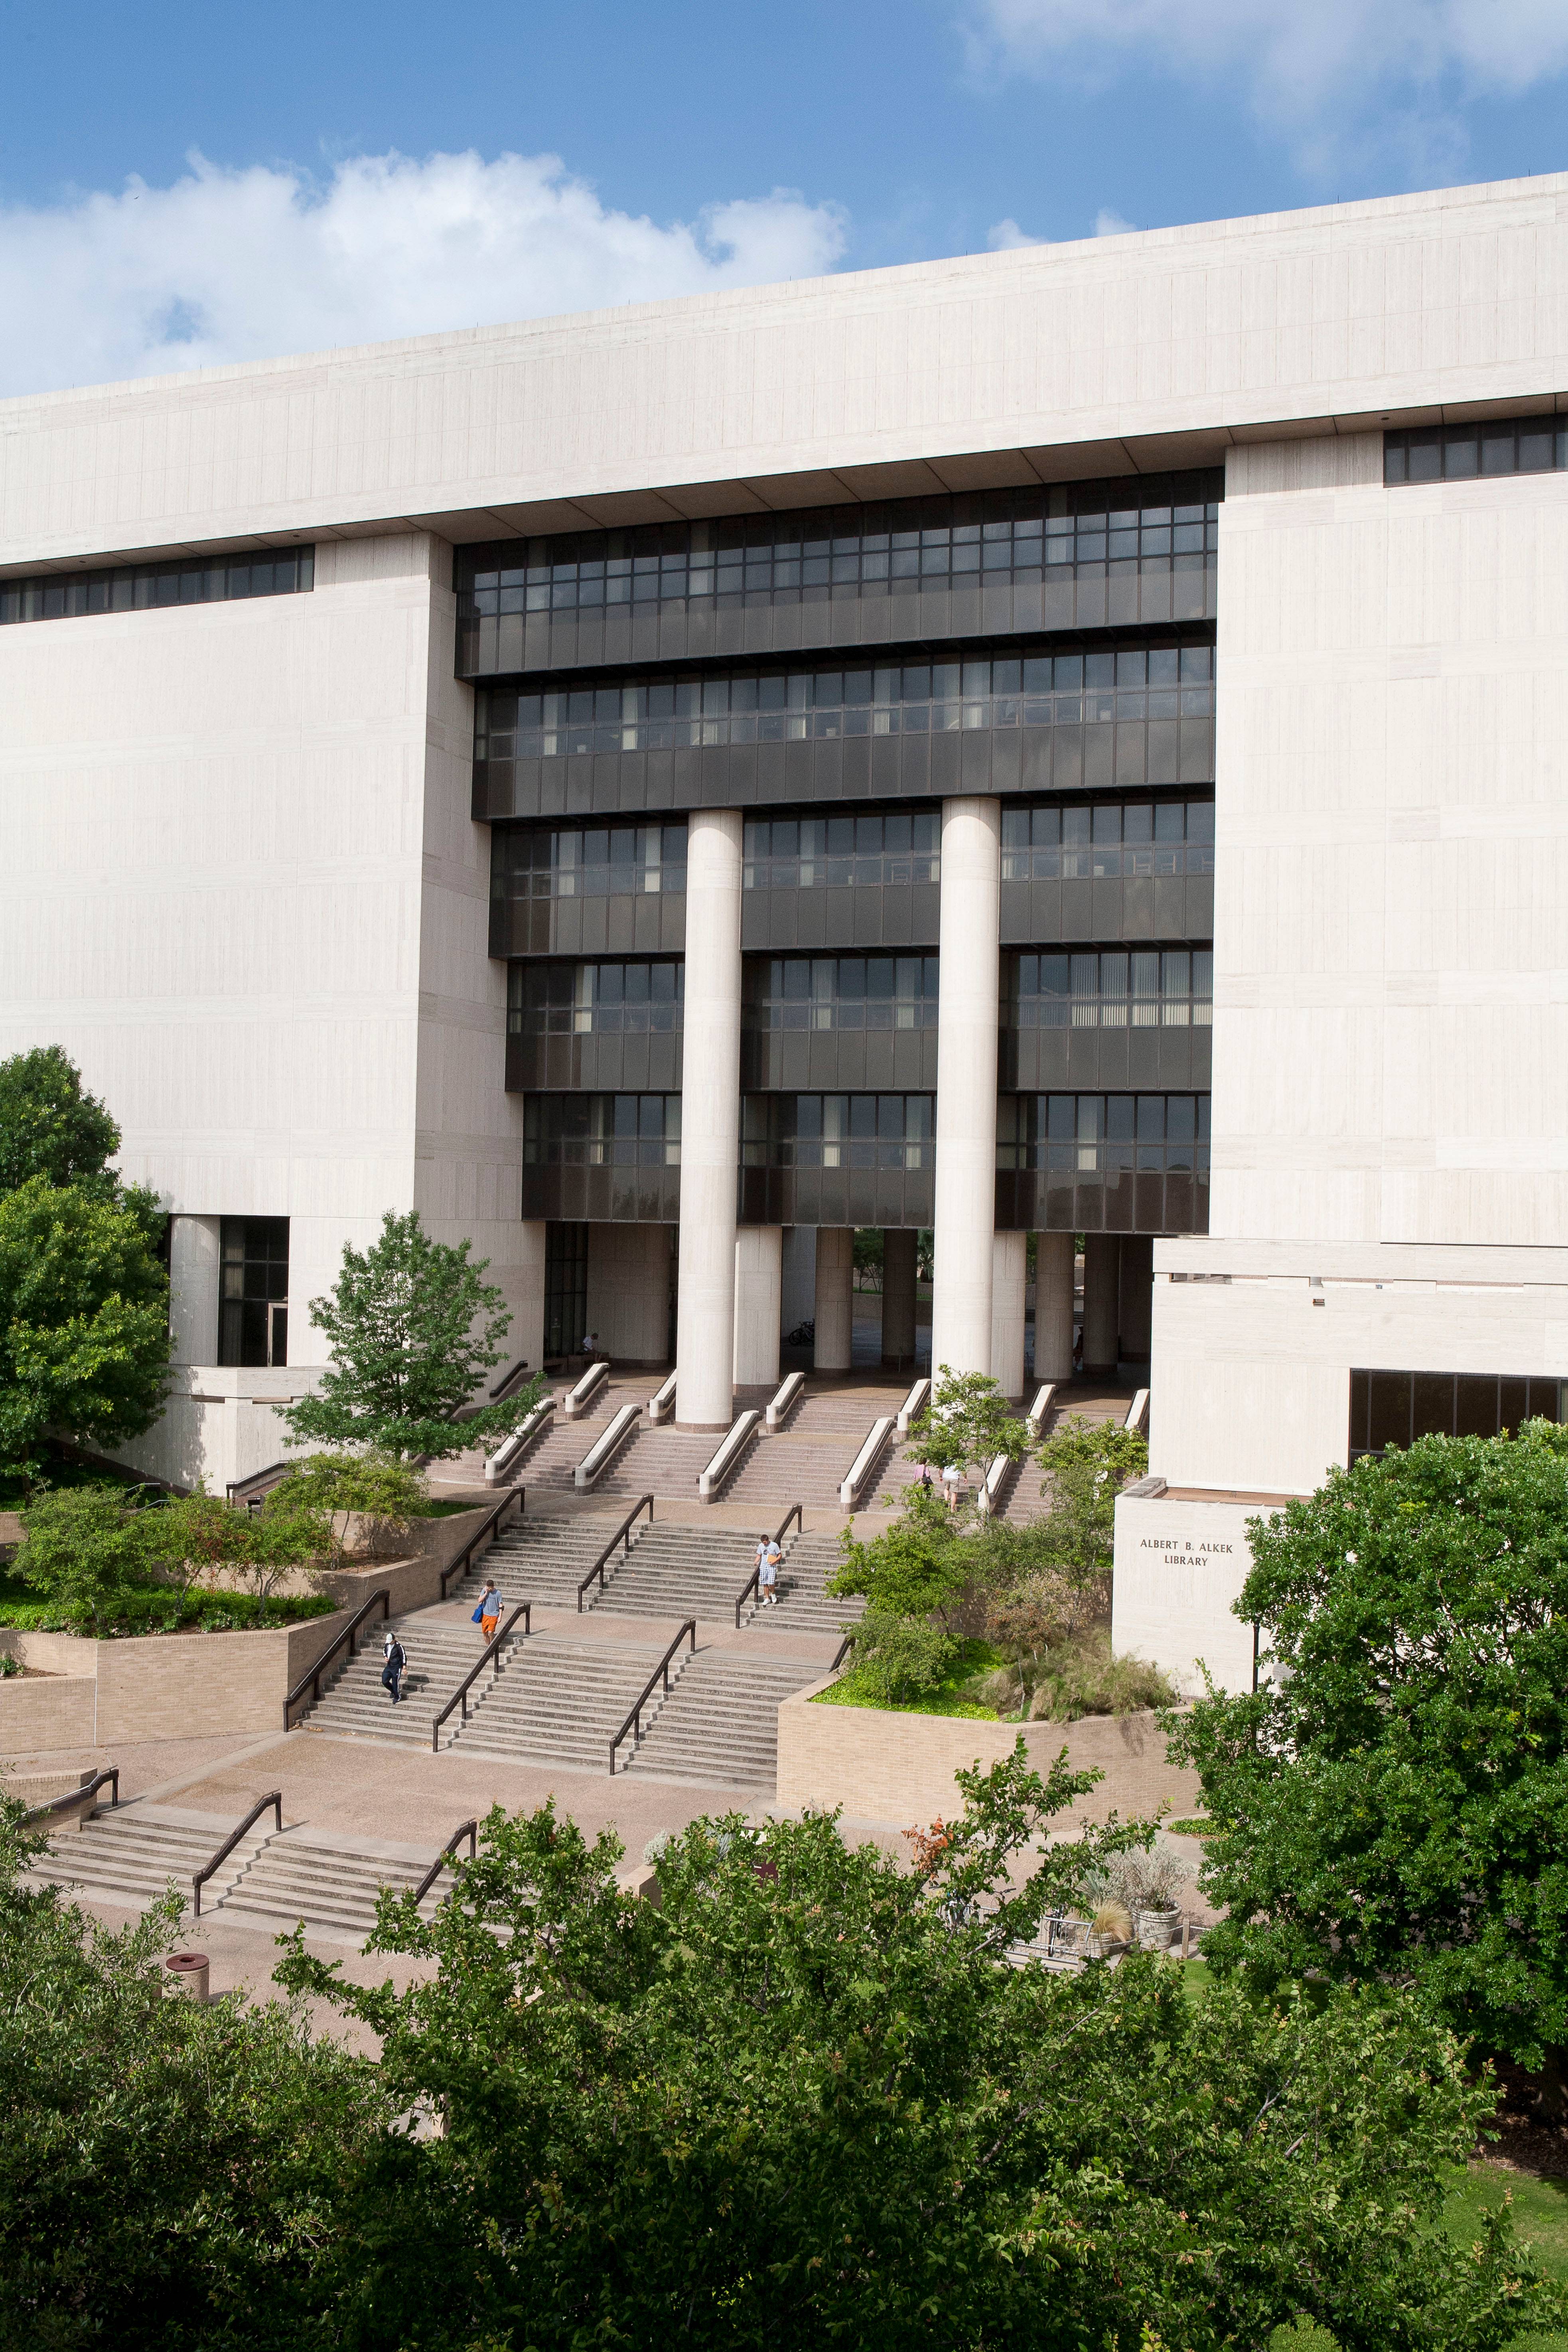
x=720, y=1723
x=354, y=1704
x=559, y=1701
x=300, y=1877
x=131, y=1857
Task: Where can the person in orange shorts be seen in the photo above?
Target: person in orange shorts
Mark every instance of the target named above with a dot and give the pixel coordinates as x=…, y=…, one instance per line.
x=487, y=1616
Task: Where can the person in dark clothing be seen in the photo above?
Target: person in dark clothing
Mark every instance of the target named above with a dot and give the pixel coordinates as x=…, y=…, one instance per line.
x=394, y=1659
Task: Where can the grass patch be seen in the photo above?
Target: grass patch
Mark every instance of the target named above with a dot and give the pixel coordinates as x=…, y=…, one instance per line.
x=1189, y=1828
x=950, y=1696
x=447, y=1509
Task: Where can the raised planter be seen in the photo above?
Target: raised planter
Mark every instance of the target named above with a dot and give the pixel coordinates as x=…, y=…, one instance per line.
x=882, y=1766
x=153, y=1687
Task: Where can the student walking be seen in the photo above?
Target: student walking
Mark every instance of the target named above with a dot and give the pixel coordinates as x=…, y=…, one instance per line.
x=486, y=1615
x=768, y=1573
x=394, y=1658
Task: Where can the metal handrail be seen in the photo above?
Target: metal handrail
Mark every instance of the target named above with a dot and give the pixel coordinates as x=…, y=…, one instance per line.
x=796, y=1512
x=63, y=1805
x=312, y=1680
x=505, y=1382
x=841, y=1653
x=488, y=1656
x=273, y=1797
x=518, y=1494
x=662, y=1668
x=469, y=1830
x=251, y=1491
x=643, y=1503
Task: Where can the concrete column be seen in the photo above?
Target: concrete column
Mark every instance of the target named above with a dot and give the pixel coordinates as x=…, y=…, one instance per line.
x=1009, y=1286
x=1136, y=1286
x=1053, y=1307
x=1101, y=1267
x=899, y=1274
x=628, y=1292
x=834, y=1298
x=710, y=1122
x=966, y=1085
x=194, y=1246
x=526, y=1337
x=799, y=1303
x=759, y=1298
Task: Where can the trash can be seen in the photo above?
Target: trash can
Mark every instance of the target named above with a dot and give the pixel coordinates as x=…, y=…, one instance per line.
x=187, y=1973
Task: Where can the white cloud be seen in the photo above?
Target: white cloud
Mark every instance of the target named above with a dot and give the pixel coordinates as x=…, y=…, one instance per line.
x=1330, y=73
x=1006, y=236
x=1111, y=224
x=238, y=265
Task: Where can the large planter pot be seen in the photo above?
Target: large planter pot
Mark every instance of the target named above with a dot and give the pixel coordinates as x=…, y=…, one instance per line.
x=1158, y=1930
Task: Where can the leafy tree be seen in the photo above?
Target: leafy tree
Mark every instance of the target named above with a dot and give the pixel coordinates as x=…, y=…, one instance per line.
x=966, y=1423
x=917, y=1566
x=802, y=2102
x=413, y=1331
x=1087, y=1464
x=869, y=1258
x=51, y=1127
x=377, y=1488
x=897, y=1657
x=84, y=1318
x=82, y=1547
x=1393, y=1802
x=166, y=2168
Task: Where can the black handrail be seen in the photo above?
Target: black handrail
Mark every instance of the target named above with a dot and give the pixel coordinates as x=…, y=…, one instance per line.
x=488, y=1656
x=469, y=1830
x=622, y=1534
x=842, y=1652
x=63, y=1805
x=662, y=1668
x=518, y=1494
x=795, y=1511
x=505, y=1382
x=311, y=1682
x=273, y=1797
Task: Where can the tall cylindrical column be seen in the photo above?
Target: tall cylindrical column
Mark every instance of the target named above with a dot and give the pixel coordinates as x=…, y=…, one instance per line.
x=1009, y=1287
x=899, y=1244
x=835, y=1347
x=966, y=1085
x=759, y=1289
x=1136, y=1312
x=1101, y=1269
x=710, y=1122
x=194, y=1278
x=1053, y=1307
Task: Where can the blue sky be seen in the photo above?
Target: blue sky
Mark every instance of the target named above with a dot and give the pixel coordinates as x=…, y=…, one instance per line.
x=181, y=184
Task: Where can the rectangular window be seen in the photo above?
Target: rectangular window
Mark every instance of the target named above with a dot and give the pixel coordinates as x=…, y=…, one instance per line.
x=149, y=587
x=590, y=862
x=1458, y=453
x=1134, y=684
x=874, y=991
x=1099, y=1135
x=1395, y=1408
x=587, y=1000
x=889, y=1131
x=565, y=1287
x=1060, y=532
x=253, y=1297
x=601, y=1132
x=1109, y=988
x=1057, y=842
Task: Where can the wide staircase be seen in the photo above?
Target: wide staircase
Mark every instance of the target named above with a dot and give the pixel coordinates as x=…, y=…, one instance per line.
x=542, y=1560
x=719, y=1725
x=353, y=1705
x=557, y=1701
x=299, y=1877
x=129, y=1857
x=806, y=1461
x=803, y=1605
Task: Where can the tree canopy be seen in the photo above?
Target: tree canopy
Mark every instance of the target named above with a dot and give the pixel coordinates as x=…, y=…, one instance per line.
x=804, y=2099
x=50, y=1126
x=966, y=1422
x=1391, y=1804
x=84, y=1318
x=413, y=1329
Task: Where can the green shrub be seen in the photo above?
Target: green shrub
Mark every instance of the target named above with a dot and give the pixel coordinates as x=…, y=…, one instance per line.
x=377, y=1487
x=1082, y=1678
x=897, y=1657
